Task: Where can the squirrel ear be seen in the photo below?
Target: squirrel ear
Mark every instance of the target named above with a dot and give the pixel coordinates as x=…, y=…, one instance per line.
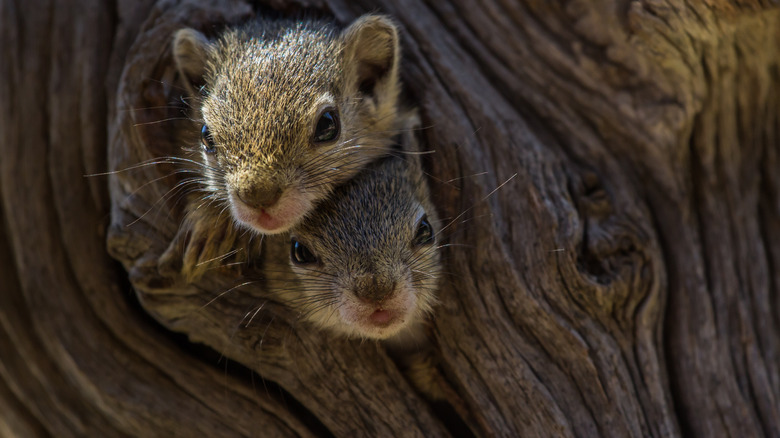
x=411, y=141
x=190, y=50
x=371, y=51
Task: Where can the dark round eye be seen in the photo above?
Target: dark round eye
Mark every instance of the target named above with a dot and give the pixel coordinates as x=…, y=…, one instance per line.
x=300, y=255
x=327, y=127
x=424, y=234
x=207, y=140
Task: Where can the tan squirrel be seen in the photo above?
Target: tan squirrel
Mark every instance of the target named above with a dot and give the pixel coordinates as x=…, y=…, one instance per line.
x=288, y=111
x=366, y=260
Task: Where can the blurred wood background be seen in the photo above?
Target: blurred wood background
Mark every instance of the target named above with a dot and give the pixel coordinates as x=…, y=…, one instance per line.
x=623, y=283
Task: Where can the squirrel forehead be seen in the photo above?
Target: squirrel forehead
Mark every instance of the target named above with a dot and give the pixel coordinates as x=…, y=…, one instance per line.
x=375, y=211
x=265, y=83
x=288, y=65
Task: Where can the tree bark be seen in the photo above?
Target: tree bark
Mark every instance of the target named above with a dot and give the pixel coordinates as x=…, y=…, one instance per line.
x=608, y=170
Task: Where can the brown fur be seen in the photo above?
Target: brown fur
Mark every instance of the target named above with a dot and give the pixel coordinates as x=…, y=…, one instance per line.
x=260, y=90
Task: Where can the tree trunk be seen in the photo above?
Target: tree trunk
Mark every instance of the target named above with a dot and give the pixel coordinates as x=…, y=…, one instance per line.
x=609, y=169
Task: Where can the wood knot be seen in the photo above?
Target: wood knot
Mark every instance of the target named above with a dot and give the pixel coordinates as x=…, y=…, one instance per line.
x=612, y=252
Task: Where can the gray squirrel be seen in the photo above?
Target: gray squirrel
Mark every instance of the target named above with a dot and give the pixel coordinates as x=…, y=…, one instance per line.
x=365, y=263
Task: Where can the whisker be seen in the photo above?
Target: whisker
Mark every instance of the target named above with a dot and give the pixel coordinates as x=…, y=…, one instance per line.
x=160, y=121
x=473, y=206
x=221, y=257
x=227, y=291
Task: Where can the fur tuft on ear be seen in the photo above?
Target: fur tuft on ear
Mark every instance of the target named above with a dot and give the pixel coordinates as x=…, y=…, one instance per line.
x=371, y=54
x=411, y=141
x=190, y=50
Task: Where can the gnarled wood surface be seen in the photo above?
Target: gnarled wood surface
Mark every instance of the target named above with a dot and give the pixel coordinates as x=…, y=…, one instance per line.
x=622, y=282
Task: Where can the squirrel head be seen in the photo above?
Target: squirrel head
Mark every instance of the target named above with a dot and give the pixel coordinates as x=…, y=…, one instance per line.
x=289, y=110
x=367, y=259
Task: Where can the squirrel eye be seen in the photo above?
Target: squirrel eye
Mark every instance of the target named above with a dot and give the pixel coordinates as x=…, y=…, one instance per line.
x=327, y=126
x=301, y=255
x=424, y=234
x=207, y=140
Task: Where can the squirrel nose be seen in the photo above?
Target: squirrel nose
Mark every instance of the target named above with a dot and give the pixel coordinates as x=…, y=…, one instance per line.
x=260, y=197
x=370, y=288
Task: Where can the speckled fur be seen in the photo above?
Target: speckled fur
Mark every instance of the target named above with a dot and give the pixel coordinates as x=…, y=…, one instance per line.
x=365, y=230
x=263, y=87
x=363, y=236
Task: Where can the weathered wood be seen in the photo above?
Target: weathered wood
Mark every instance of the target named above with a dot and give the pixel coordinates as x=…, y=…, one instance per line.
x=622, y=281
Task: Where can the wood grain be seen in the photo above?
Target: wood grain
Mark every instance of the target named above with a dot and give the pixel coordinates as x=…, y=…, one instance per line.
x=608, y=170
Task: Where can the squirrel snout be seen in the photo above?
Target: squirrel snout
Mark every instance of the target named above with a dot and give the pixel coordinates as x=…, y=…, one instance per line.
x=260, y=197
x=371, y=289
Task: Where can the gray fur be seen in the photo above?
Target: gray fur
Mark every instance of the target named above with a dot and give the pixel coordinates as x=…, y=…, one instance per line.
x=363, y=238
